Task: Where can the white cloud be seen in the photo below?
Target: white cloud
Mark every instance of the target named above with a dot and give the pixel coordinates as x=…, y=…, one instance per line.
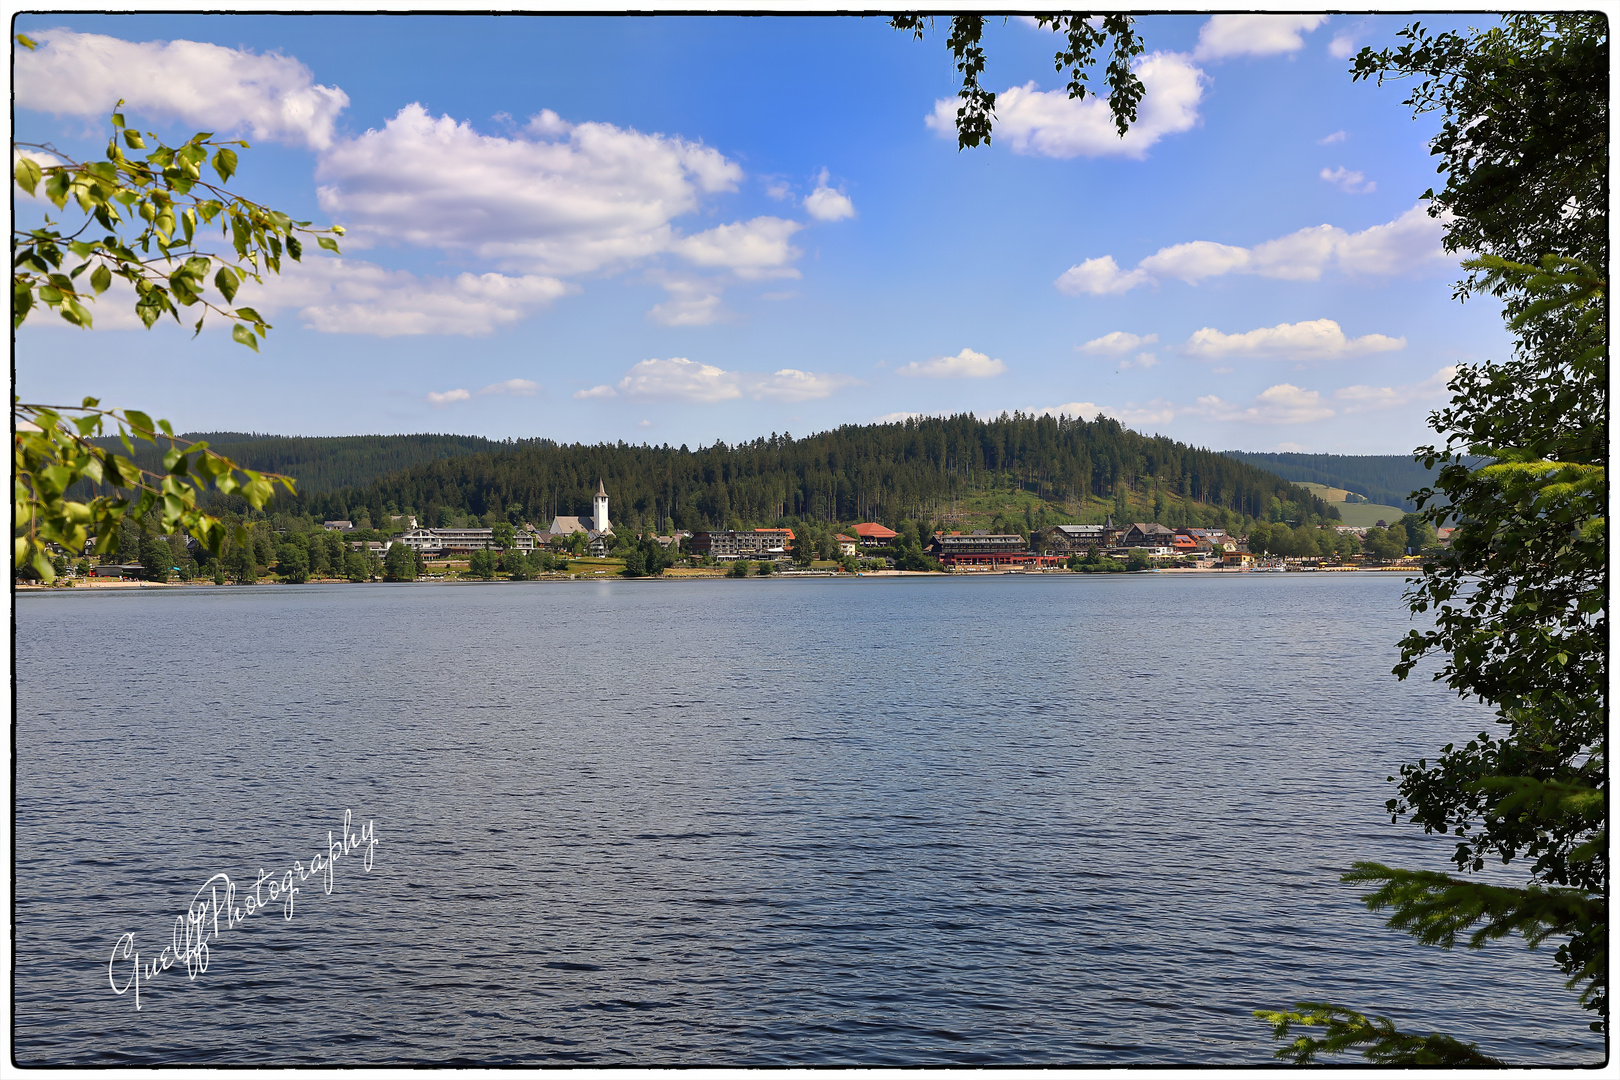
x=228, y=91
x=592, y=197
x=1100, y=277
x=1051, y=124
x=1328, y=140
x=1194, y=261
x=778, y=189
x=1359, y=399
x=692, y=302
x=1349, y=180
x=1319, y=339
x=790, y=384
x=645, y=424
x=514, y=387
x=1115, y=343
x=1253, y=35
x=680, y=379
x=1080, y=410
x=966, y=364
x=751, y=250
x=1292, y=448
x=1156, y=412
x=1343, y=45
x=348, y=296
x=447, y=396
x=1280, y=404
x=825, y=204
x=1143, y=360
x=1409, y=244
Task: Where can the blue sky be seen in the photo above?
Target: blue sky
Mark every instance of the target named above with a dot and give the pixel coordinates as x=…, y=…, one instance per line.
x=677, y=229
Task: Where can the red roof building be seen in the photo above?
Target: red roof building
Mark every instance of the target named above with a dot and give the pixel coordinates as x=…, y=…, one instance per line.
x=874, y=535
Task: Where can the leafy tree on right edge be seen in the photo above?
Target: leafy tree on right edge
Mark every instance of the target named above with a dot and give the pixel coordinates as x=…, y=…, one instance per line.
x=1520, y=601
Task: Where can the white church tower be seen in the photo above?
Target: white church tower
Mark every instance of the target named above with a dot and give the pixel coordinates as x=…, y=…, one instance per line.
x=601, y=516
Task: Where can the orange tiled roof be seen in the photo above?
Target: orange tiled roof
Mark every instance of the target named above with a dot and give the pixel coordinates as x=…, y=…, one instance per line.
x=874, y=530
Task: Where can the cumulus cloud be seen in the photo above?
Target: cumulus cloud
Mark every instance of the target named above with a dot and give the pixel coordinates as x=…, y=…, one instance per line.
x=349, y=296
x=1193, y=261
x=751, y=250
x=1359, y=399
x=1410, y=244
x=1051, y=124
x=1100, y=277
x=1343, y=45
x=680, y=379
x=573, y=199
x=229, y=91
x=826, y=204
x=1253, y=35
x=1319, y=339
x=1349, y=180
x=514, y=387
x=966, y=364
x=1143, y=360
x=1284, y=403
x=1158, y=411
x=1115, y=343
x=692, y=302
x=447, y=397
x=1328, y=140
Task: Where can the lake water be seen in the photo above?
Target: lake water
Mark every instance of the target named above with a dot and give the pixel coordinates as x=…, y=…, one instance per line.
x=1044, y=820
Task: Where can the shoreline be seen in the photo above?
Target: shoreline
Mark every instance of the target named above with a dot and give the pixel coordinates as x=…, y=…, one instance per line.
x=95, y=584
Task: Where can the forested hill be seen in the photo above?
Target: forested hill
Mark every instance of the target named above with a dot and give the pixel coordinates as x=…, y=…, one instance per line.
x=941, y=469
x=1383, y=478
x=325, y=463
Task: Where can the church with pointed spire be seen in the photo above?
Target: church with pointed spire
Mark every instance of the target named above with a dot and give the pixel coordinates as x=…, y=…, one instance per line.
x=595, y=526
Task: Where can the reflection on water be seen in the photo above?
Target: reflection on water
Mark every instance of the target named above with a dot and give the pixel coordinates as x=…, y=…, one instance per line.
x=1044, y=820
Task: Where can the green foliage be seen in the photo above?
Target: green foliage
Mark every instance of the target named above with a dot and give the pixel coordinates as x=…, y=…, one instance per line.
x=1137, y=560
x=765, y=568
x=356, y=567
x=399, y=564
x=53, y=451
x=165, y=191
x=292, y=559
x=482, y=565
x=741, y=568
x=1376, y=1038
x=1520, y=600
x=502, y=534
x=1086, y=35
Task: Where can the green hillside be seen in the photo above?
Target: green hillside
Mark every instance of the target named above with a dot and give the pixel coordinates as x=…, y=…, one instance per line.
x=1381, y=478
x=1360, y=513
x=959, y=472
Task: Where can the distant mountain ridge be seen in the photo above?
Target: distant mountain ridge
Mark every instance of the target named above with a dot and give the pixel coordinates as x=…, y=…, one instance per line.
x=327, y=463
x=1381, y=478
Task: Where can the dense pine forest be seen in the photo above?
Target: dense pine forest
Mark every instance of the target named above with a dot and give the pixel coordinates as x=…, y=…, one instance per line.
x=941, y=470
x=1385, y=478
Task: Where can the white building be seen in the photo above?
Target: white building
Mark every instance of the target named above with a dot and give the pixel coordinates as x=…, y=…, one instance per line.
x=437, y=541
x=597, y=524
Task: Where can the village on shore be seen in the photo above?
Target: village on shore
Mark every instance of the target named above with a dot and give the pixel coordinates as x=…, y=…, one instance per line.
x=588, y=547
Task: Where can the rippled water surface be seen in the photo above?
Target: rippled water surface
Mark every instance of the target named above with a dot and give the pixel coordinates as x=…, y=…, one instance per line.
x=1044, y=820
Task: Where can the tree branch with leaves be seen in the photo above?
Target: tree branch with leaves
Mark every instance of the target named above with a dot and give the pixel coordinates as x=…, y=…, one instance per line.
x=145, y=220
x=1086, y=35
